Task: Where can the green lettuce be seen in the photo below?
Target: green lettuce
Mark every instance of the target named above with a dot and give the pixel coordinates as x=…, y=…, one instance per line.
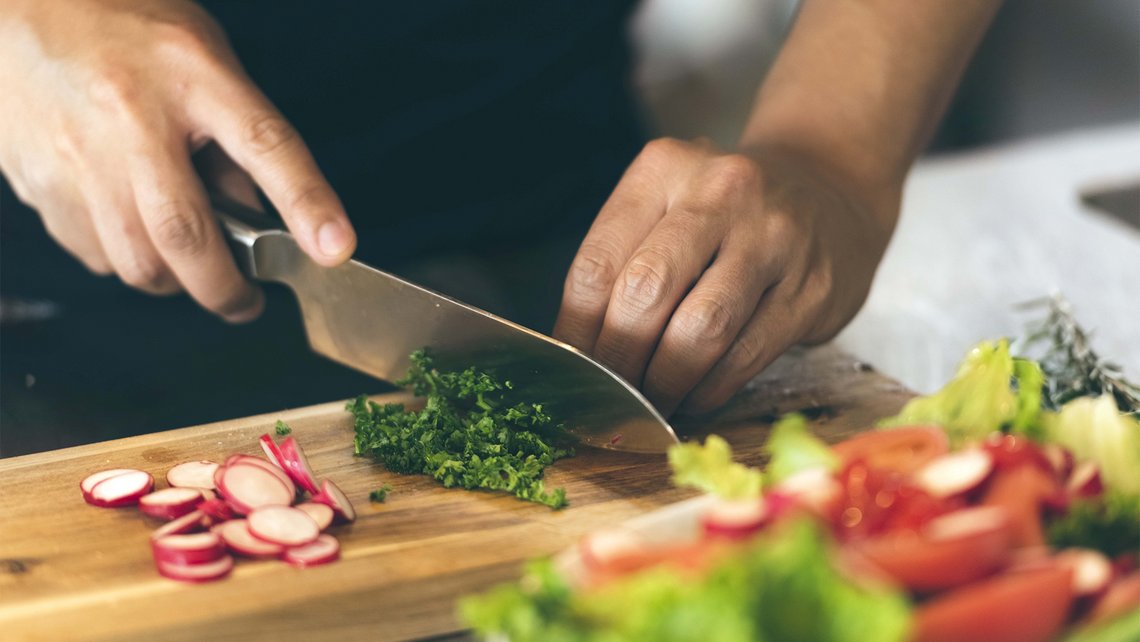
x=1125, y=626
x=992, y=391
x=710, y=468
x=1094, y=429
x=782, y=586
x=792, y=448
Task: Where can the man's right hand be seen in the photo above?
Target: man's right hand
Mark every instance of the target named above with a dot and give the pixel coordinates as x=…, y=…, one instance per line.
x=104, y=104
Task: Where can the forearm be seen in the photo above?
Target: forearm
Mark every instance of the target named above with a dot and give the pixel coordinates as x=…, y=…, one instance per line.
x=860, y=86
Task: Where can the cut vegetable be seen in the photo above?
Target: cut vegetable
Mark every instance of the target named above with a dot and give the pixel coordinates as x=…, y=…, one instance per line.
x=1092, y=571
x=814, y=488
x=272, y=450
x=89, y=481
x=283, y=525
x=332, y=496
x=170, y=503
x=248, y=488
x=1084, y=481
x=193, y=521
x=121, y=490
x=323, y=550
x=598, y=549
x=322, y=514
x=903, y=450
x=261, y=463
x=217, y=510
x=236, y=535
x=206, y=572
x=955, y=474
x=192, y=474
x=735, y=519
x=195, y=548
x=1022, y=492
x=1060, y=459
x=296, y=464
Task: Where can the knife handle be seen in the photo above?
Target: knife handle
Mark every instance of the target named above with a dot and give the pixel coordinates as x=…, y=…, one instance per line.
x=259, y=241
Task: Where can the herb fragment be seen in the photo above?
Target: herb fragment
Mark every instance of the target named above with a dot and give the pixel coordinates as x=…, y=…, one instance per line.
x=282, y=428
x=470, y=434
x=379, y=495
x=1109, y=524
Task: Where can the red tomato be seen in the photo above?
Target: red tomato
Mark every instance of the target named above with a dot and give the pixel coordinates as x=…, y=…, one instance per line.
x=1022, y=491
x=951, y=550
x=875, y=500
x=903, y=450
x=1026, y=606
x=689, y=556
x=1123, y=595
x=1011, y=451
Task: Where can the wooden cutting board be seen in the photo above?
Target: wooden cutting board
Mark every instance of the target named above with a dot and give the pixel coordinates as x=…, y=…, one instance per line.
x=70, y=571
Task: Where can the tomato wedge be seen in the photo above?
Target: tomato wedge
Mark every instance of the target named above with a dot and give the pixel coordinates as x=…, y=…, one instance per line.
x=1022, y=491
x=902, y=450
x=1023, y=606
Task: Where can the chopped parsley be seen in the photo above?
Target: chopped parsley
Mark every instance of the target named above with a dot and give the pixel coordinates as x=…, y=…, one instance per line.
x=282, y=428
x=1109, y=523
x=470, y=434
x=380, y=494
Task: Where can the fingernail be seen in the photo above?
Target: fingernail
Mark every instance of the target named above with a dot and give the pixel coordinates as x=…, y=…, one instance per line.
x=334, y=238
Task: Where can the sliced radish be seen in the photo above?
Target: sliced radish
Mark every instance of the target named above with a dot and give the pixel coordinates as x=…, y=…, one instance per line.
x=206, y=572
x=170, y=503
x=1084, y=481
x=217, y=510
x=195, y=548
x=272, y=451
x=334, y=498
x=261, y=463
x=1060, y=458
x=735, y=519
x=1092, y=571
x=283, y=525
x=236, y=535
x=296, y=464
x=121, y=490
x=599, y=548
x=322, y=514
x=955, y=474
x=190, y=522
x=814, y=488
x=89, y=481
x=323, y=550
x=248, y=487
x=192, y=474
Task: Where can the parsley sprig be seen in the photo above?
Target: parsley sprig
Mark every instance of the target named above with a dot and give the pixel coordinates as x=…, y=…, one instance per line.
x=470, y=434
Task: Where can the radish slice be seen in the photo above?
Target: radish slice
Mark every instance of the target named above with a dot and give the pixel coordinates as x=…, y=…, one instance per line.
x=322, y=514
x=1085, y=481
x=195, y=548
x=248, y=487
x=217, y=510
x=89, y=481
x=121, y=490
x=283, y=525
x=272, y=451
x=323, y=550
x=187, y=523
x=296, y=464
x=192, y=474
x=237, y=537
x=332, y=496
x=1060, y=458
x=814, y=488
x=599, y=548
x=956, y=473
x=206, y=572
x=1092, y=571
x=261, y=463
x=735, y=519
x=170, y=503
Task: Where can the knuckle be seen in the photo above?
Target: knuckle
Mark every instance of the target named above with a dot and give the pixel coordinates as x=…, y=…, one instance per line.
x=180, y=228
x=184, y=38
x=706, y=319
x=144, y=273
x=312, y=197
x=592, y=273
x=265, y=132
x=661, y=148
x=779, y=228
x=114, y=87
x=745, y=354
x=646, y=279
x=732, y=174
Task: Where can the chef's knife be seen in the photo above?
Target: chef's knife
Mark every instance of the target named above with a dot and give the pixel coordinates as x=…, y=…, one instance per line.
x=372, y=321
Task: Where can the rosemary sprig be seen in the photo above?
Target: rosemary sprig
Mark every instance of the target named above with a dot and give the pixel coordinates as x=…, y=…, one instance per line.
x=1072, y=368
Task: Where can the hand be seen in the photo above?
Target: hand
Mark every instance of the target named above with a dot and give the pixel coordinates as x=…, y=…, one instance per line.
x=704, y=266
x=104, y=103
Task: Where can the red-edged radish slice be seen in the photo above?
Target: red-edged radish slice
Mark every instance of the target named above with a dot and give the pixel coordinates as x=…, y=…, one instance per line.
x=121, y=490
x=1092, y=571
x=195, y=548
x=323, y=550
x=322, y=514
x=332, y=496
x=257, y=461
x=1084, y=481
x=192, y=474
x=236, y=535
x=1060, y=459
x=248, y=488
x=272, y=451
x=955, y=474
x=89, y=481
x=813, y=488
x=190, y=522
x=217, y=510
x=283, y=525
x=170, y=503
x=734, y=520
x=599, y=548
x=194, y=573
x=296, y=464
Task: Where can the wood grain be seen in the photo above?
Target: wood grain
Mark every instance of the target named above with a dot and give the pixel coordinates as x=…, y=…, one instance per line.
x=71, y=571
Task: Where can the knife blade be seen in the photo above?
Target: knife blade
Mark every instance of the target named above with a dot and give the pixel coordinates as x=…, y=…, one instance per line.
x=370, y=320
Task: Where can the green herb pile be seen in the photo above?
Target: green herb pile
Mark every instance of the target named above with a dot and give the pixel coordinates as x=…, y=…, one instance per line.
x=470, y=434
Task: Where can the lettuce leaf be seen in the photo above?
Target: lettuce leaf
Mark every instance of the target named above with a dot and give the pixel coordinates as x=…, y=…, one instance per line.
x=782, y=586
x=792, y=448
x=710, y=468
x=992, y=391
x=1093, y=428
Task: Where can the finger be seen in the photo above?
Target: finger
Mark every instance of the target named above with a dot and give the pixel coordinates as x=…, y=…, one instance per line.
x=70, y=225
x=259, y=139
x=706, y=323
x=221, y=174
x=651, y=284
x=124, y=238
x=771, y=331
x=180, y=223
x=636, y=206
